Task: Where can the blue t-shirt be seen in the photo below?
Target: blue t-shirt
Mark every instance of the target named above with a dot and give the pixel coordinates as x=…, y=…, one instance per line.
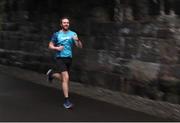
x=65, y=39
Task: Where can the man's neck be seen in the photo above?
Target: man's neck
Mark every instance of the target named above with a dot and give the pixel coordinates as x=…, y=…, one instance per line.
x=63, y=30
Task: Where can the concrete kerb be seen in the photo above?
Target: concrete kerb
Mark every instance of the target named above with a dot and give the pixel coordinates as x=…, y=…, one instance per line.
x=156, y=108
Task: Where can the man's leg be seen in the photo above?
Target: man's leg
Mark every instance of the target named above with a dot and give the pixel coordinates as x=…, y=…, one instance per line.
x=65, y=86
x=51, y=75
x=65, y=83
x=57, y=76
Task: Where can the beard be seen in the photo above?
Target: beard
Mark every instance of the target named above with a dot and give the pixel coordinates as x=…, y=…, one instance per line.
x=65, y=28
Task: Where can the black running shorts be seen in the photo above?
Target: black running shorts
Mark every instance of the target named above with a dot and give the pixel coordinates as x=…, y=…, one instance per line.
x=63, y=64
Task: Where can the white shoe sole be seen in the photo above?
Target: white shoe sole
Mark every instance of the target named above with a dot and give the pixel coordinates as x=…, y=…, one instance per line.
x=49, y=71
x=68, y=107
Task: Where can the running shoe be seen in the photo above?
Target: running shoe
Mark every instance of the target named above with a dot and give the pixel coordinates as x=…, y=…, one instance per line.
x=49, y=75
x=67, y=104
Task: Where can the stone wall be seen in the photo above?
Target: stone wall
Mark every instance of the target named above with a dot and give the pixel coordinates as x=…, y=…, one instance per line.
x=134, y=58
x=120, y=53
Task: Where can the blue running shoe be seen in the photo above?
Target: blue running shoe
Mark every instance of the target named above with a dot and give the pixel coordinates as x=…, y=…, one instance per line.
x=67, y=104
x=49, y=75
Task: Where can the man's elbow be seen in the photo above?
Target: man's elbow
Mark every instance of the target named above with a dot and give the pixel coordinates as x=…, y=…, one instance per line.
x=49, y=47
x=80, y=46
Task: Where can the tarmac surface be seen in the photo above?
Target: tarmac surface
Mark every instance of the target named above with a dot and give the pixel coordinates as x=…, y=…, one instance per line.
x=25, y=101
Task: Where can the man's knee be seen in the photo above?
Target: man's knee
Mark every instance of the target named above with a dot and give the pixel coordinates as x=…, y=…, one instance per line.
x=65, y=76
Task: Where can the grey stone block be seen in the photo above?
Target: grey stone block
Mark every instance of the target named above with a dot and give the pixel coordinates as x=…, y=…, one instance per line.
x=131, y=48
x=100, y=79
x=172, y=98
x=149, y=50
x=165, y=33
x=104, y=29
x=10, y=26
x=148, y=29
x=169, y=87
x=168, y=55
x=114, y=29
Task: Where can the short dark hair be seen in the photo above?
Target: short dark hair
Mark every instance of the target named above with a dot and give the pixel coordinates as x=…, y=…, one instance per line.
x=62, y=18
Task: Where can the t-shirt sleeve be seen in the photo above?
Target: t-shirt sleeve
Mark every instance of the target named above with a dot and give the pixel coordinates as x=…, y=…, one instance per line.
x=54, y=38
x=75, y=34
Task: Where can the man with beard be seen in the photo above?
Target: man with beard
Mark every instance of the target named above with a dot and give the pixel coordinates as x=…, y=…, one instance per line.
x=62, y=42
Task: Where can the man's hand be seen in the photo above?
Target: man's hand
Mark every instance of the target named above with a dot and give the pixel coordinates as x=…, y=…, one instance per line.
x=77, y=42
x=57, y=48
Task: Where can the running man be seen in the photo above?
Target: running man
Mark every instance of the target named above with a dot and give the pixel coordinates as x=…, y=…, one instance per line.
x=62, y=42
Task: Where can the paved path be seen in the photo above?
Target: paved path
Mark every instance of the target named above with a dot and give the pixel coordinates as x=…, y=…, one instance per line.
x=21, y=100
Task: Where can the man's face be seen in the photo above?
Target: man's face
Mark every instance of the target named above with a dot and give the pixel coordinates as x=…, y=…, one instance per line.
x=65, y=24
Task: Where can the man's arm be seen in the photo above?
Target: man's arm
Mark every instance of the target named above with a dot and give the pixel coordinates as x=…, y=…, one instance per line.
x=56, y=48
x=78, y=43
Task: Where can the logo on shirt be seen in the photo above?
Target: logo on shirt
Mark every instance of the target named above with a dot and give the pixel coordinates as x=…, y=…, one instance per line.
x=65, y=38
